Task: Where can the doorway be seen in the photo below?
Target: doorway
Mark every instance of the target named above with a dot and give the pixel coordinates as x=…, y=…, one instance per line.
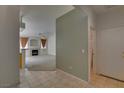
x=107, y=69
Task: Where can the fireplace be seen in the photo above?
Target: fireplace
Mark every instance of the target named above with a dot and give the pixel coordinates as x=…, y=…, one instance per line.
x=34, y=52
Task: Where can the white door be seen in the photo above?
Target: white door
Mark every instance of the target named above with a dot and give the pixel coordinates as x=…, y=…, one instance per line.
x=110, y=53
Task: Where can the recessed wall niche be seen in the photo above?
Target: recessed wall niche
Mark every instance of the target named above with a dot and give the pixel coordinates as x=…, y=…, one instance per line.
x=34, y=42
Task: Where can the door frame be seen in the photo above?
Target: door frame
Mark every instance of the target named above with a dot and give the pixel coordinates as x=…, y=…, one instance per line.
x=91, y=31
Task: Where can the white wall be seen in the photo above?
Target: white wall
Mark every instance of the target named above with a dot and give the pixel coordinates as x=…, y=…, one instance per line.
x=110, y=21
x=9, y=46
x=42, y=19
x=110, y=53
x=52, y=43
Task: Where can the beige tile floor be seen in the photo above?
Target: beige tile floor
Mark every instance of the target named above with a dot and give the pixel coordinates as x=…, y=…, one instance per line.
x=105, y=82
x=60, y=79
x=50, y=79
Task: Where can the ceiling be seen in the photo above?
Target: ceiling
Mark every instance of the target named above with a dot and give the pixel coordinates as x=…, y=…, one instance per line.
x=51, y=10
x=41, y=18
x=99, y=9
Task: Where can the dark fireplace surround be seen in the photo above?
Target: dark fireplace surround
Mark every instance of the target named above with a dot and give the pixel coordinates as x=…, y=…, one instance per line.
x=35, y=52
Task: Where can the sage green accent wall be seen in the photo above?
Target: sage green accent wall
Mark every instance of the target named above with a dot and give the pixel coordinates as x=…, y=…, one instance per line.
x=72, y=37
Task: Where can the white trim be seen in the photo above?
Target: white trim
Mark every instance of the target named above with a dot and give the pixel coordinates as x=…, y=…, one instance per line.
x=89, y=79
x=89, y=54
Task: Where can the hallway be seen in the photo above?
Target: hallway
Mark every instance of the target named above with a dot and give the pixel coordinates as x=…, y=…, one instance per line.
x=50, y=79
x=60, y=79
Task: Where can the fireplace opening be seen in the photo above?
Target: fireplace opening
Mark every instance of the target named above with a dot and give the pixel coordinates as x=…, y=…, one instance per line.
x=34, y=52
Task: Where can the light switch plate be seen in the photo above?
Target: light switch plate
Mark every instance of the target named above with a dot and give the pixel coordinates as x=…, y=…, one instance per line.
x=83, y=51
